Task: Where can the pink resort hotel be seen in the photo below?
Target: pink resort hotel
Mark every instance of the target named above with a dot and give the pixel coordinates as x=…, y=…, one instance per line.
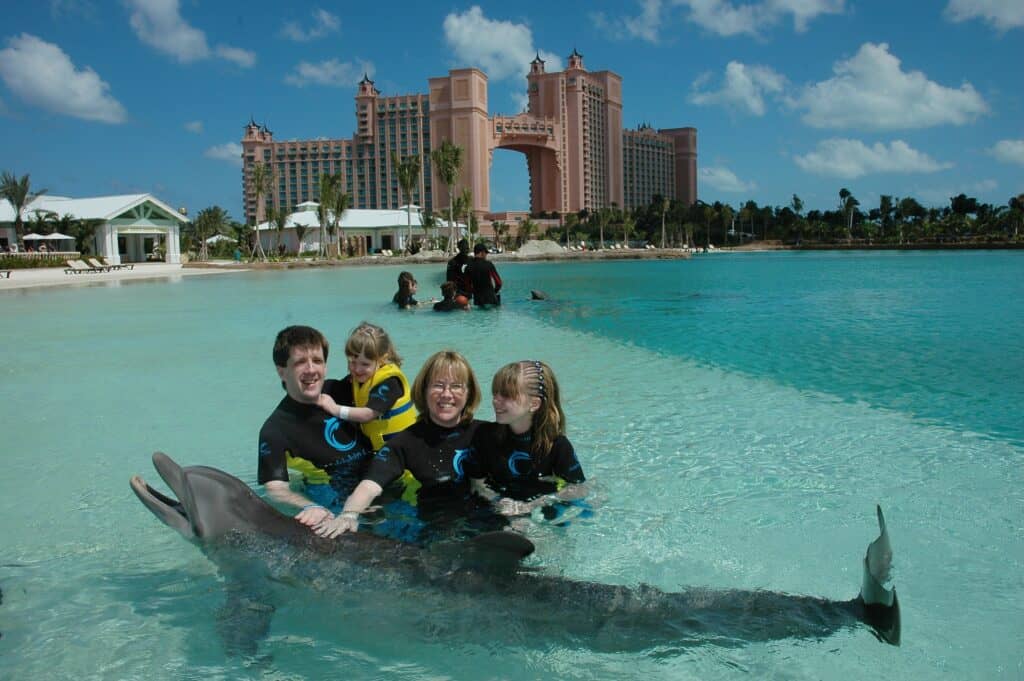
x=578, y=155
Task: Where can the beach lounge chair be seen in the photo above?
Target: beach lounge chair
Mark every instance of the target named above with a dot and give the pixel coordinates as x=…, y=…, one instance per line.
x=125, y=266
x=93, y=262
x=5, y=274
x=78, y=267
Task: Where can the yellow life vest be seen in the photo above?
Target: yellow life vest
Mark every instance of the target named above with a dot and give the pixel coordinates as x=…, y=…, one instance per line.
x=401, y=415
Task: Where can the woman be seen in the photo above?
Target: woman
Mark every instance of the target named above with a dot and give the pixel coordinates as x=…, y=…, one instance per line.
x=436, y=450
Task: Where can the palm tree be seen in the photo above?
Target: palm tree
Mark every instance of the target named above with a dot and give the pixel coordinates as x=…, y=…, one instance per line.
x=300, y=234
x=604, y=216
x=628, y=223
x=847, y=204
x=208, y=222
x=279, y=219
x=726, y=213
x=340, y=202
x=408, y=171
x=527, y=228
x=447, y=160
x=260, y=178
x=665, y=203
x=328, y=184
x=18, y=192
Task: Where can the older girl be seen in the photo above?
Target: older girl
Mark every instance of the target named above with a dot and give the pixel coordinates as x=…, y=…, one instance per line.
x=527, y=460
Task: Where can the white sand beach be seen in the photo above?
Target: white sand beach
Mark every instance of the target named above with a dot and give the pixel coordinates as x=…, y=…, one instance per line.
x=55, y=276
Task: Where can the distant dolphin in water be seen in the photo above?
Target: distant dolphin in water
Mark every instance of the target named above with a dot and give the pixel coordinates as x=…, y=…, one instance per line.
x=537, y=294
x=245, y=536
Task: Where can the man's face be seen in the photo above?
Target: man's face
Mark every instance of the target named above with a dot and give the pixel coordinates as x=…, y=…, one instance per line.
x=304, y=374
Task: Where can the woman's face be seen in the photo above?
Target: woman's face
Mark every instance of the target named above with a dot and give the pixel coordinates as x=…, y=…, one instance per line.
x=446, y=398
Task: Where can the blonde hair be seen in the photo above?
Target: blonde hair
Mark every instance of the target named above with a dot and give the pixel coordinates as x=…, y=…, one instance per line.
x=535, y=379
x=372, y=342
x=439, y=364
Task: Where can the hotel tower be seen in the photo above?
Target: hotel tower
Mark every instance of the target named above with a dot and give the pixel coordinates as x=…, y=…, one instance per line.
x=577, y=153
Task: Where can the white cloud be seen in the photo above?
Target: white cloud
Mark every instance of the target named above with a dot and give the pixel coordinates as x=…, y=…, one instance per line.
x=743, y=89
x=852, y=159
x=195, y=127
x=1001, y=14
x=645, y=26
x=871, y=91
x=1009, y=151
x=501, y=49
x=244, y=58
x=520, y=100
x=722, y=18
x=725, y=180
x=43, y=75
x=230, y=152
x=324, y=23
x=159, y=24
x=332, y=73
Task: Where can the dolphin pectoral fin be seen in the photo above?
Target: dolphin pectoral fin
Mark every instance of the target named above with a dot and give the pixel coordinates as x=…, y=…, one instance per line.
x=881, y=607
x=242, y=622
x=489, y=552
x=167, y=510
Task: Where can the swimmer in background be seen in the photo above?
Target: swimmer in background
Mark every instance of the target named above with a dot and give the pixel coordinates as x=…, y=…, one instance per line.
x=527, y=459
x=380, y=391
x=407, y=288
x=449, y=301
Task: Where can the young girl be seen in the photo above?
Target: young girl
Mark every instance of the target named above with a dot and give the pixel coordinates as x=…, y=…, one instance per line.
x=407, y=287
x=380, y=390
x=527, y=459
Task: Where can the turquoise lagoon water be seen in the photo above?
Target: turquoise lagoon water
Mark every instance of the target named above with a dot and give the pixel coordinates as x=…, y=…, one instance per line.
x=739, y=415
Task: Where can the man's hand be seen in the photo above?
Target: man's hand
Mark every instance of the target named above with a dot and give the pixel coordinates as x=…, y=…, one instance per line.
x=346, y=521
x=313, y=515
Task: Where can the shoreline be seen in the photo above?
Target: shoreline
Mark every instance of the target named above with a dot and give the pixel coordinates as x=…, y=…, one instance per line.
x=54, y=277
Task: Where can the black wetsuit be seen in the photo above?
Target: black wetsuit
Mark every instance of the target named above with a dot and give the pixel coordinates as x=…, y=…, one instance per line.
x=447, y=305
x=442, y=461
x=510, y=469
x=457, y=272
x=486, y=282
x=327, y=450
x=404, y=300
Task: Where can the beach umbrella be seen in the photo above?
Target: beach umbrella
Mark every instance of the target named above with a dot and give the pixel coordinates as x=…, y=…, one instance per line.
x=57, y=235
x=216, y=238
x=33, y=236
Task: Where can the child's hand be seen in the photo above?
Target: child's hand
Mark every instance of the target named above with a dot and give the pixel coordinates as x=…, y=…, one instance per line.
x=327, y=403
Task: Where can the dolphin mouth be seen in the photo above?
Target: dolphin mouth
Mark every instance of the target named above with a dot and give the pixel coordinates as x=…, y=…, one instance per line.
x=168, y=510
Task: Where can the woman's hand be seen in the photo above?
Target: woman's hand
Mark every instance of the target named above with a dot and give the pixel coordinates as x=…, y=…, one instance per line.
x=313, y=515
x=346, y=521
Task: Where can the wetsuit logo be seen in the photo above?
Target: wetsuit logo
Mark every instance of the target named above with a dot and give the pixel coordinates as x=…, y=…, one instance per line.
x=519, y=463
x=381, y=392
x=331, y=426
x=264, y=449
x=457, y=459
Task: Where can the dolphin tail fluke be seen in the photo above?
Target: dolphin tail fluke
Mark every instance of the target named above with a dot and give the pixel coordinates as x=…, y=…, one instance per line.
x=881, y=606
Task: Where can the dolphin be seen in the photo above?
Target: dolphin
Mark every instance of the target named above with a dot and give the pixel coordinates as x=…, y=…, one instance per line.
x=249, y=539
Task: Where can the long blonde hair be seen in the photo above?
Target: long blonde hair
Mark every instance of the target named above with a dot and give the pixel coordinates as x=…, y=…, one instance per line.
x=535, y=379
x=439, y=364
x=372, y=342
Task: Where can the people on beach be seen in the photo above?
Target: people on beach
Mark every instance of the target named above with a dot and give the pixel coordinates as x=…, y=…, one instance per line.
x=484, y=279
x=381, y=403
x=436, y=450
x=449, y=300
x=526, y=459
x=330, y=454
x=457, y=270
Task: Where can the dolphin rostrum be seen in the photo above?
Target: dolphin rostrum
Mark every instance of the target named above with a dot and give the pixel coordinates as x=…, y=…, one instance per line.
x=231, y=522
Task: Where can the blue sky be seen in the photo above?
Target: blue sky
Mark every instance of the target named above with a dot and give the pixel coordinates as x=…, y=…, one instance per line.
x=921, y=99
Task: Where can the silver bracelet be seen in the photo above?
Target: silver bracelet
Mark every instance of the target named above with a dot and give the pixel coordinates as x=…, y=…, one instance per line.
x=351, y=515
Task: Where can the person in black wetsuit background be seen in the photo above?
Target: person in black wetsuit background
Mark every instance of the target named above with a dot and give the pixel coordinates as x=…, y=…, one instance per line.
x=457, y=271
x=436, y=450
x=330, y=453
x=485, y=279
x=449, y=301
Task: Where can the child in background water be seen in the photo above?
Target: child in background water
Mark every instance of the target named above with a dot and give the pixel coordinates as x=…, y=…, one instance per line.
x=527, y=459
x=407, y=287
x=380, y=391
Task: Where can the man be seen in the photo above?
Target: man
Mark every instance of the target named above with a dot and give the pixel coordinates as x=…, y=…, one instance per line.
x=331, y=454
x=458, y=270
x=484, y=278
